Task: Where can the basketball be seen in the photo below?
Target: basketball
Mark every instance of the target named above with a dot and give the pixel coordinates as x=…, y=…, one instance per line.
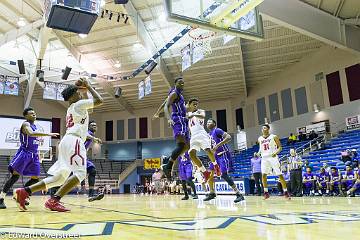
x=180, y=119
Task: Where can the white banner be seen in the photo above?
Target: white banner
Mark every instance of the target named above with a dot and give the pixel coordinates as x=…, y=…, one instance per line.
x=141, y=87
x=10, y=133
x=186, y=57
x=241, y=140
x=317, y=127
x=147, y=85
x=222, y=187
x=353, y=122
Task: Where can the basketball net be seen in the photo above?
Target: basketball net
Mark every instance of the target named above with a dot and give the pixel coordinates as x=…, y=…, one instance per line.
x=201, y=39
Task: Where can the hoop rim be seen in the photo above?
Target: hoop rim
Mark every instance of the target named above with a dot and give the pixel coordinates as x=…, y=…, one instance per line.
x=197, y=38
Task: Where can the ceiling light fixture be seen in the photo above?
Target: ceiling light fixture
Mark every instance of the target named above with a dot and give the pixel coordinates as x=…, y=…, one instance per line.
x=110, y=16
x=117, y=64
x=21, y=22
x=82, y=35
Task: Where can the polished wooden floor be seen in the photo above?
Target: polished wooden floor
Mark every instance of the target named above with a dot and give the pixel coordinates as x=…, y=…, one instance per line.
x=167, y=217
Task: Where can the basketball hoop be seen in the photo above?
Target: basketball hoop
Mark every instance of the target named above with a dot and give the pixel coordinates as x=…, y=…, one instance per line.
x=201, y=39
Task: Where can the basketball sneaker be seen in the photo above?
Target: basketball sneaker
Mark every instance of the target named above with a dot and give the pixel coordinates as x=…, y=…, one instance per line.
x=2, y=204
x=54, y=205
x=266, y=195
x=96, y=197
x=186, y=197
x=239, y=198
x=167, y=170
x=287, y=195
x=206, y=175
x=20, y=196
x=210, y=197
x=217, y=170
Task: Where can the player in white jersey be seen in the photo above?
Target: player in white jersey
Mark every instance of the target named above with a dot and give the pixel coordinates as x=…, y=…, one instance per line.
x=199, y=138
x=72, y=152
x=269, y=148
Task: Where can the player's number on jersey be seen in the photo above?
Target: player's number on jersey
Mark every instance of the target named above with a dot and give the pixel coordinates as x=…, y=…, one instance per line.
x=69, y=121
x=266, y=146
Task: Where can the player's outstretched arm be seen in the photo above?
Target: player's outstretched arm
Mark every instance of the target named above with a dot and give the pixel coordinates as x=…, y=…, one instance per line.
x=160, y=110
x=98, y=100
x=226, y=139
x=95, y=139
x=25, y=128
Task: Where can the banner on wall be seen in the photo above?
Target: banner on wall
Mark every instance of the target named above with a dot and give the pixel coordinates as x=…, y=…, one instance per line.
x=11, y=86
x=222, y=188
x=10, y=133
x=50, y=90
x=186, y=57
x=353, y=122
x=59, y=89
x=147, y=85
x=141, y=87
x=241, y=140
x=152, y=163
x=317, y=127
x=2, y=84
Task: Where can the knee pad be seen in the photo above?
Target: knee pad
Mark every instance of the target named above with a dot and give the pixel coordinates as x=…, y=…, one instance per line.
x=54, y=181
x=178, y=150
x=228, y=179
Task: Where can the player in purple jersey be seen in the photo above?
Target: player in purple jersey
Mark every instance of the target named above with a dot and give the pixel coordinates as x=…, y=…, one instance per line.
x=90, y=167
x=179, y=123
x=356, y=186
x=309, y=182
x=348, y=179
x=186, y=176
x=220, y=139
x=335, y=179
x=322, y=182
x=26, y=160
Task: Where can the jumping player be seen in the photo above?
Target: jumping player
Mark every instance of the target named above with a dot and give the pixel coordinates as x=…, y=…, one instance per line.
x=72, y=152
x=199, y=137
x=185, y=175
x=26, y=160
x=90, y=167
x=220, y=139
x=179, y=123
x=269, y=149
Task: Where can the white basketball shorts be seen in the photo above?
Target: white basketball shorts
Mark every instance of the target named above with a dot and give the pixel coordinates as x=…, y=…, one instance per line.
x=71, y=158
x=270, y=165
x=200, y=141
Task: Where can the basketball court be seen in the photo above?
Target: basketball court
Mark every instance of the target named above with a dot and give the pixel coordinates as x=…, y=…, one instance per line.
x=167, y=217
x=291, y=65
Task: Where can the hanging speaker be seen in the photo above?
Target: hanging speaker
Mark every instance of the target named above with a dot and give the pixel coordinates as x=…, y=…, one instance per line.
x=40, y=75
x=66, y=73
x=121, y=1
x=151, y=67
x=118, y=92
x=21, y=66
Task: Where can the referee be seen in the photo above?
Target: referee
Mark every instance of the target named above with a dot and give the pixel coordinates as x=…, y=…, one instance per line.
x=295, y=167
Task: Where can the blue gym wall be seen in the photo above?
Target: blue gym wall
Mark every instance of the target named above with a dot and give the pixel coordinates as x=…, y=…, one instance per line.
x=132, y=179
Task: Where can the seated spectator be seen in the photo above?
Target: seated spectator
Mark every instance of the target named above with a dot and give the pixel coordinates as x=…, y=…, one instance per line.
x=348, y=179
x=313, y=135
x=322, y=182
x=334, y=184
x=286, y=175
x=346, y=157
x=292, y=139
x=309, y=182
x=301, y=137
x=356, y=185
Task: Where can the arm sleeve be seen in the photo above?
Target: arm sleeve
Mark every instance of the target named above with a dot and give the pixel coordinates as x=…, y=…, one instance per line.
x=84, y=104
